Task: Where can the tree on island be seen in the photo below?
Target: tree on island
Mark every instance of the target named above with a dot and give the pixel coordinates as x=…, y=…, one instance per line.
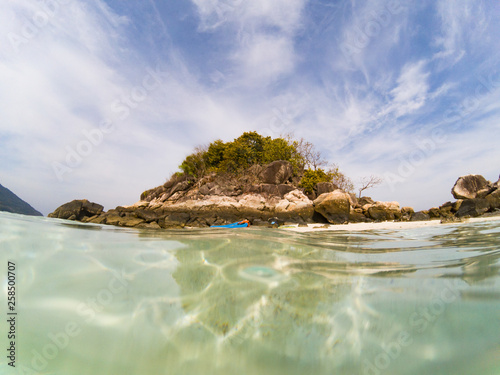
x=368, y=182
x=234, y=159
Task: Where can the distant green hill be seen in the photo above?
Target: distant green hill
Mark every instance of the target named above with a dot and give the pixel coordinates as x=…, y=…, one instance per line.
x=10, y=202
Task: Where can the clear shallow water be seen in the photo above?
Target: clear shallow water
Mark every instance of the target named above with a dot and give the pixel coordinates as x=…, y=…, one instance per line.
x=102, y=300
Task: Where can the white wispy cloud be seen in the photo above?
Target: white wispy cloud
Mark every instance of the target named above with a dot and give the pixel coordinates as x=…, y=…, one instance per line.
x=250, y=15
x=262, y=49
x=410, y=94
x=461, y=24
x=369, y=31
x=265, y=58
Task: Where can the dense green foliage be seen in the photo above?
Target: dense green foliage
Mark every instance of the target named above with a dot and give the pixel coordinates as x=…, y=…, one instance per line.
x=194, y=165
x=312, y=176
x=252, y=148
x=233, y=157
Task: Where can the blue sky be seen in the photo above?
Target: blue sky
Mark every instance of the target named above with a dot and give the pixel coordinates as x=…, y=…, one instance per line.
x=103, y=99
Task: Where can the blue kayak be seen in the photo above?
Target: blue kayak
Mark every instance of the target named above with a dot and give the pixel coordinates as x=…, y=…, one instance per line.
x=239, y=224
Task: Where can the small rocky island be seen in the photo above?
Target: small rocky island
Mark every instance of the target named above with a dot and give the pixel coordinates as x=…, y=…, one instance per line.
x=259, y=179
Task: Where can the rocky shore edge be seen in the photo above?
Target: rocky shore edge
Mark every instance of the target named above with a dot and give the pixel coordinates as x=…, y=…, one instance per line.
x=269, y=192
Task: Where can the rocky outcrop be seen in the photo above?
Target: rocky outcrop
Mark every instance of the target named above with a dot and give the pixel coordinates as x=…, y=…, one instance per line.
x=494, y=198
x=383, y=211
x=365, y=200
x=212, y=210
x=77, y=210
x=356, y=215
x=265, y=193
x=475, y=195
x=467, y=187
x=334, y=207
x=277, y=172
x=406, y=213
x=295, y=205
x=473, y=207
x=324, y=187
x=420, y=216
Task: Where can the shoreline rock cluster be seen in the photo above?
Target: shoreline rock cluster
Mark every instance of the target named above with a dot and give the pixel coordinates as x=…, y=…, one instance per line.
x=270, y=192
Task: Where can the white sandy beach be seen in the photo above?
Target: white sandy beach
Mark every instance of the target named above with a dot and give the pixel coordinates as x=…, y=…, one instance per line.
x=390, y=225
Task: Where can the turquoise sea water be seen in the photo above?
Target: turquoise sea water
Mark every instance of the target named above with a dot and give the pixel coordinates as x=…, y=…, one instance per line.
x=96, y=299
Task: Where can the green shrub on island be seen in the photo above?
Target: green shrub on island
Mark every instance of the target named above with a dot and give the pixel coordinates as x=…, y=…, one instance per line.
x=240, y=154
x=235, y=157
x=311, y=177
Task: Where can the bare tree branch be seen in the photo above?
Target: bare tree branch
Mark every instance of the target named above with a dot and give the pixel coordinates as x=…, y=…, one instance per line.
x=312, y=158
x=340, y=179
x=369, y=182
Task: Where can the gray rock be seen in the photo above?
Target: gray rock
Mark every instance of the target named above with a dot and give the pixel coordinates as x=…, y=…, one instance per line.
x=269, y=189
x=434, y=213
x=204, y=190
x=174, y=220
x=255, y=170
x=445, y=210
x=406, y=213
x=494, y=199
x=181, y=186
x=420, y=216
x=407, y=210
x=356, y=216
x=129, y=221
x=284, y=189
x=473, y=207
x=468, y=186
x=147, y=215
x=456, y=205
x=334, y=207
x=484, y=192
x=382, y=211
x=152, y=225
x=77, y=210
x=277, y=172
x=325, y=187
x=365, y=200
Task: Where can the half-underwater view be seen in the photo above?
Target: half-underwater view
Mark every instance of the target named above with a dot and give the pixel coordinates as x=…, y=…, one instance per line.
x=260, y=187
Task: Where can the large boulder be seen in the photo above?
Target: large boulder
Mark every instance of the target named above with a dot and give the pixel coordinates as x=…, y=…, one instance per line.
x=365, y=200
x=325, y=187
x=356, y=215
x=77, y=210
x=468, y=186
x=382, y=211
x=473, y=207
x=494, y=199
x=434, y=213
x=211, y=189
x=295, y=206
x=277, y=172
x=334, y=207
x=147, y=215
x=406, y=213
x=420, y=216
x=446, y=209
x=269, y=190
x=174, y=219
x=285, y=189
x=181, y=186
